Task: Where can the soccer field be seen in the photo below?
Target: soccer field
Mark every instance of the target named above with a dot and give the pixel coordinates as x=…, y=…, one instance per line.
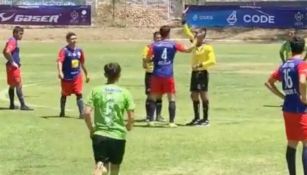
x=246, y=136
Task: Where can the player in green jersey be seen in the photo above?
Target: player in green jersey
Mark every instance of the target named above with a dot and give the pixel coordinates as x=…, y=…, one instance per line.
x=107, y=127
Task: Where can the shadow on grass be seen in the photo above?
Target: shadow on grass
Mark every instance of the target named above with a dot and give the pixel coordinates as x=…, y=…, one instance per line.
x=140, y=120
x=61, y=118
x=157, y=125
x=272, y=106
x=4, y=108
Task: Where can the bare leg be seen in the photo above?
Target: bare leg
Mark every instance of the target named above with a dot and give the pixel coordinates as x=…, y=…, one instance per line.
x=115, y=169
x=100, y=169
x=304, y=156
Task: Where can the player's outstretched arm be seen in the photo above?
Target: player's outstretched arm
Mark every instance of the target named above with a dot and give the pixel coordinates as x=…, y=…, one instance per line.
x=270, y=84
x=182, y=48
x=186, y=28
x=188, y=32
x=88, y=119
x=130, y=121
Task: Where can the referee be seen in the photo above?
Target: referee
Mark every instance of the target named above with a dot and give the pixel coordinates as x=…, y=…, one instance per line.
x=203, y=58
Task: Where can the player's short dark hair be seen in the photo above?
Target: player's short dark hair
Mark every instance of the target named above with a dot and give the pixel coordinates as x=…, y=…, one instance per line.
x=297, y=44
x=164, y=31
x=112, y=71
x=70, y=34
x=156, y=33
x=17, y=29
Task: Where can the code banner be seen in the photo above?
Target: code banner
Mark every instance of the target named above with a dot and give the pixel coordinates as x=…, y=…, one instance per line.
x=247, y=16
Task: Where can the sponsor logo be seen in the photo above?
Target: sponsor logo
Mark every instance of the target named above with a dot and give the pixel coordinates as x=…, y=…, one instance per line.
x=299, y=19
x=299, y=16
x=84, y=12
x=262, y=19
x=206, y=17
x=195, y=17
x=74, y=17
x=4, y=18
x=84, y=16
x=30, y=18
x=232, y=18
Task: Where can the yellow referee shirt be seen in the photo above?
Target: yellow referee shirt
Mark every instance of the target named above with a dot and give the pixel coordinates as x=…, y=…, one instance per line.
x=203, y=55
x=149, y=65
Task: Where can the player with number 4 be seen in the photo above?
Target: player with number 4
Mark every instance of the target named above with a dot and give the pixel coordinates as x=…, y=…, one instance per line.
x=293, y=74
x=162, y=54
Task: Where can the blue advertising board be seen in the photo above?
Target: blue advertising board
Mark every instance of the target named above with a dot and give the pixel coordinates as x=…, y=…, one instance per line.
x=247, y=16
x=45, y=15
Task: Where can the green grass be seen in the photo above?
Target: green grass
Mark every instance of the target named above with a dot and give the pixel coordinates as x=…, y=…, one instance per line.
x=246, y=136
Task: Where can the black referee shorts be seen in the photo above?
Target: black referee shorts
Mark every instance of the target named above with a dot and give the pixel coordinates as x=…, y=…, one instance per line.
x=199, y=81
x=147, y=82
x=108, y=150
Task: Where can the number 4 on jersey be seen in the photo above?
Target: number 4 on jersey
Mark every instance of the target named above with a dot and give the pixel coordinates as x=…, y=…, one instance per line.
x=164, y=54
